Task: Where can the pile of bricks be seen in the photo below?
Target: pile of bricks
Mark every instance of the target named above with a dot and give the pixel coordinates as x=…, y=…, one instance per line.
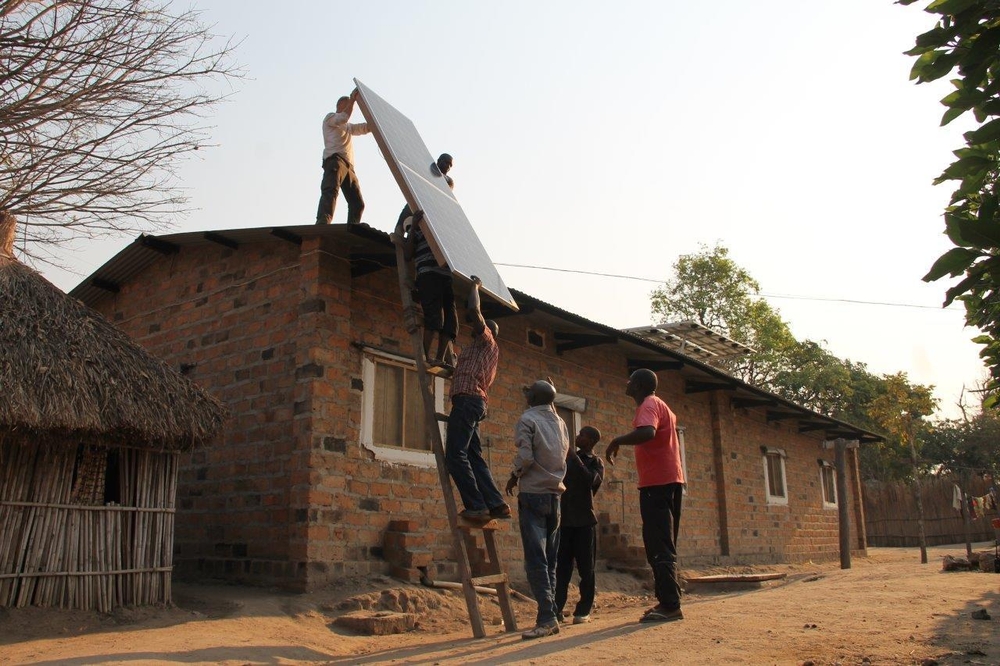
x=405, y=549
x=616, y=550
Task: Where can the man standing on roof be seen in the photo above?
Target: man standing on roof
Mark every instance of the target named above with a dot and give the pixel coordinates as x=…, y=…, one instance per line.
x=338, y=163
x=434, y=283
x=474, y=374
x=661, y=484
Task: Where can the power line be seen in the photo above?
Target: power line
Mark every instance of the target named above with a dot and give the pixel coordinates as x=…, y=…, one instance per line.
x=789, y=296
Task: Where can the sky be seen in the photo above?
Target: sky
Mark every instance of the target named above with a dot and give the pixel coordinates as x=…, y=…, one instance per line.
x=614, y=137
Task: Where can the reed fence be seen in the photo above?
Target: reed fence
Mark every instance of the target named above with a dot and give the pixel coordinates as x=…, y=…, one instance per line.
x=891, y=513
x=56, y=551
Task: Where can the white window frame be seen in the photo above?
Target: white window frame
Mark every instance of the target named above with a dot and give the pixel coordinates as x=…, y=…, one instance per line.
x=766, y=451
x=577, y=406
x=823, y=466
x=392, y=454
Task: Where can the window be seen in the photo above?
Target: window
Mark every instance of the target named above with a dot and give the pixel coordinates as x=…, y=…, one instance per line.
x=774, y=475
x=828, y=481
x=399, y=416
x=392, y=413
x=571, y=409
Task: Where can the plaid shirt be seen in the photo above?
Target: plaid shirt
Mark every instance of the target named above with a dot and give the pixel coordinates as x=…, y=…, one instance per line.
x=477, y=367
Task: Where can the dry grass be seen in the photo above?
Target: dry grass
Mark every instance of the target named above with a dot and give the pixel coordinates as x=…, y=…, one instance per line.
x=66, y=373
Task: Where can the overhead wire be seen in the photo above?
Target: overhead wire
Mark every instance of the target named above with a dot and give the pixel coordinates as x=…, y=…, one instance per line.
x=764, y=294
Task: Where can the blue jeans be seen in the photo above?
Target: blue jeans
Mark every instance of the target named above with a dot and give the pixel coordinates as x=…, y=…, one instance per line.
x=538, y=515
x=463, y=454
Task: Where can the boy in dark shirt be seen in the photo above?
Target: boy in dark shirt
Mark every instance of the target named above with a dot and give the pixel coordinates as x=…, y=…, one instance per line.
x=578, y=527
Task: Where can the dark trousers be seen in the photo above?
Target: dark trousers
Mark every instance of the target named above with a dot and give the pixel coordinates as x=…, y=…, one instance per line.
x=463, y=454
x=660, y=508
x=437, y=300
x=339, y=175
x=577, y=544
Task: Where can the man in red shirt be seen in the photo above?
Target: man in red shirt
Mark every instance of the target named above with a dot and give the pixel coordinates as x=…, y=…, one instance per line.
x=463, y=454
x=661, y=485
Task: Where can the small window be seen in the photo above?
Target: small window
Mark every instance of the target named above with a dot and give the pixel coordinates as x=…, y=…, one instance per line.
x=828, y=481
x=774, y=475
x=536, y=338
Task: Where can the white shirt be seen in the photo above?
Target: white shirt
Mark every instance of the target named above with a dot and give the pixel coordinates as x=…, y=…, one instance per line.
x=337, y=133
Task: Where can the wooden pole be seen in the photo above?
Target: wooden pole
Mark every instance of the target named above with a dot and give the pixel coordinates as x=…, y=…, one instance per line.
x=860, y=525
x=966, y=519
x=843, y=511
x=922, y=532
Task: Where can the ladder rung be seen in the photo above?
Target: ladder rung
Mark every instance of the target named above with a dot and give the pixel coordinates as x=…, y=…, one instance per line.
x=492, y=579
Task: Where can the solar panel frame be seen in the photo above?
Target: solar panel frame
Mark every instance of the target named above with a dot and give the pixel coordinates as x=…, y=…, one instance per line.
x=447, y=228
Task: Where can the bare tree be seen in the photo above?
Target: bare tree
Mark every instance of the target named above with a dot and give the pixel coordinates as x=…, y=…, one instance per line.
x=99, y=101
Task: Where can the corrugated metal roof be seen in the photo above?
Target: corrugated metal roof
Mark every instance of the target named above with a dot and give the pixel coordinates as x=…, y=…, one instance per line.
x=576, y=331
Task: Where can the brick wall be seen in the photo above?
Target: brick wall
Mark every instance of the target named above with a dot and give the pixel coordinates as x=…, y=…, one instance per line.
x=290, y=496
x=225, y=318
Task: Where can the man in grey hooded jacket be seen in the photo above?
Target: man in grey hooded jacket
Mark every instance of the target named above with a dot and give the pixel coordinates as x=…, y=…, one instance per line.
x=539, y=467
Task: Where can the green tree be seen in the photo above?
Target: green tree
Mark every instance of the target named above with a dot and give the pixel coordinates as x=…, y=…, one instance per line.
x=900, y=409
x=965, y=447
x=815, y=378
x=711, y=289
x=99, y=100
x=966, y=40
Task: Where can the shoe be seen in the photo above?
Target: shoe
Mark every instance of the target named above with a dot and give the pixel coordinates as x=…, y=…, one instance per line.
x=474, y=514
x=500, y=511
x=541, y=631
x=581, y=619
x=659, y=614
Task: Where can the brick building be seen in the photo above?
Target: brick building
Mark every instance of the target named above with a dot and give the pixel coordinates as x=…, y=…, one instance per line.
x=298, y=331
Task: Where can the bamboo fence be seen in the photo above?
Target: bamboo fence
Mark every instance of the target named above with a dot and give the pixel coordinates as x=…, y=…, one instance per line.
x=56, y=551
x=891, y=513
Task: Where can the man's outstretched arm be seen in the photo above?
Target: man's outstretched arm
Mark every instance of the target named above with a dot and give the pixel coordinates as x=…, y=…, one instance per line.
x=473, y=314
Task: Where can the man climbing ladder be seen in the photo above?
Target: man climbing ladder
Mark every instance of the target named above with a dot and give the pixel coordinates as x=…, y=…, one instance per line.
x=474, y=374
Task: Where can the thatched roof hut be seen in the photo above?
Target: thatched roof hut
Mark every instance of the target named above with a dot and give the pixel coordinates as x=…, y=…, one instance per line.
x=90, y=429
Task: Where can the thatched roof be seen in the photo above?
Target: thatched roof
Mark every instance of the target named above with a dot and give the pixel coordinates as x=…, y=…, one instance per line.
x=67, y=372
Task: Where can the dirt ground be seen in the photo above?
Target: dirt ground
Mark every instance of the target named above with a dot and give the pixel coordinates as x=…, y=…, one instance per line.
x=886, y=609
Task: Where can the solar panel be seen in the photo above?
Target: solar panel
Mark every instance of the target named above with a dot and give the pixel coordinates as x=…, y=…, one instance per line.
x=448, y=230
x=693, y=339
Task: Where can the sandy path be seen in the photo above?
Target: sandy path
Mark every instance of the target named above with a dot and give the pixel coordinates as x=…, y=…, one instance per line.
x=887, y=609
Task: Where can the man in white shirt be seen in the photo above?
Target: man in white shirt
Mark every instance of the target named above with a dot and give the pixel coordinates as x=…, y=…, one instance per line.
x=338, y=163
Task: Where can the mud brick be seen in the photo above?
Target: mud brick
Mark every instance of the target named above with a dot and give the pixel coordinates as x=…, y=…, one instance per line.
x=381, y=623
x=399, y=525
x=411, y=559
x=410, y=575
x=404, y=540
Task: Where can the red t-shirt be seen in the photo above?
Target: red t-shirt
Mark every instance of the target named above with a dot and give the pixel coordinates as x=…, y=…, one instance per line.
x=658, y=461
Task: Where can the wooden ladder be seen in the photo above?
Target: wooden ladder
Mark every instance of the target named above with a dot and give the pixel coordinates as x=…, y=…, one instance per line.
x=495, y=576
